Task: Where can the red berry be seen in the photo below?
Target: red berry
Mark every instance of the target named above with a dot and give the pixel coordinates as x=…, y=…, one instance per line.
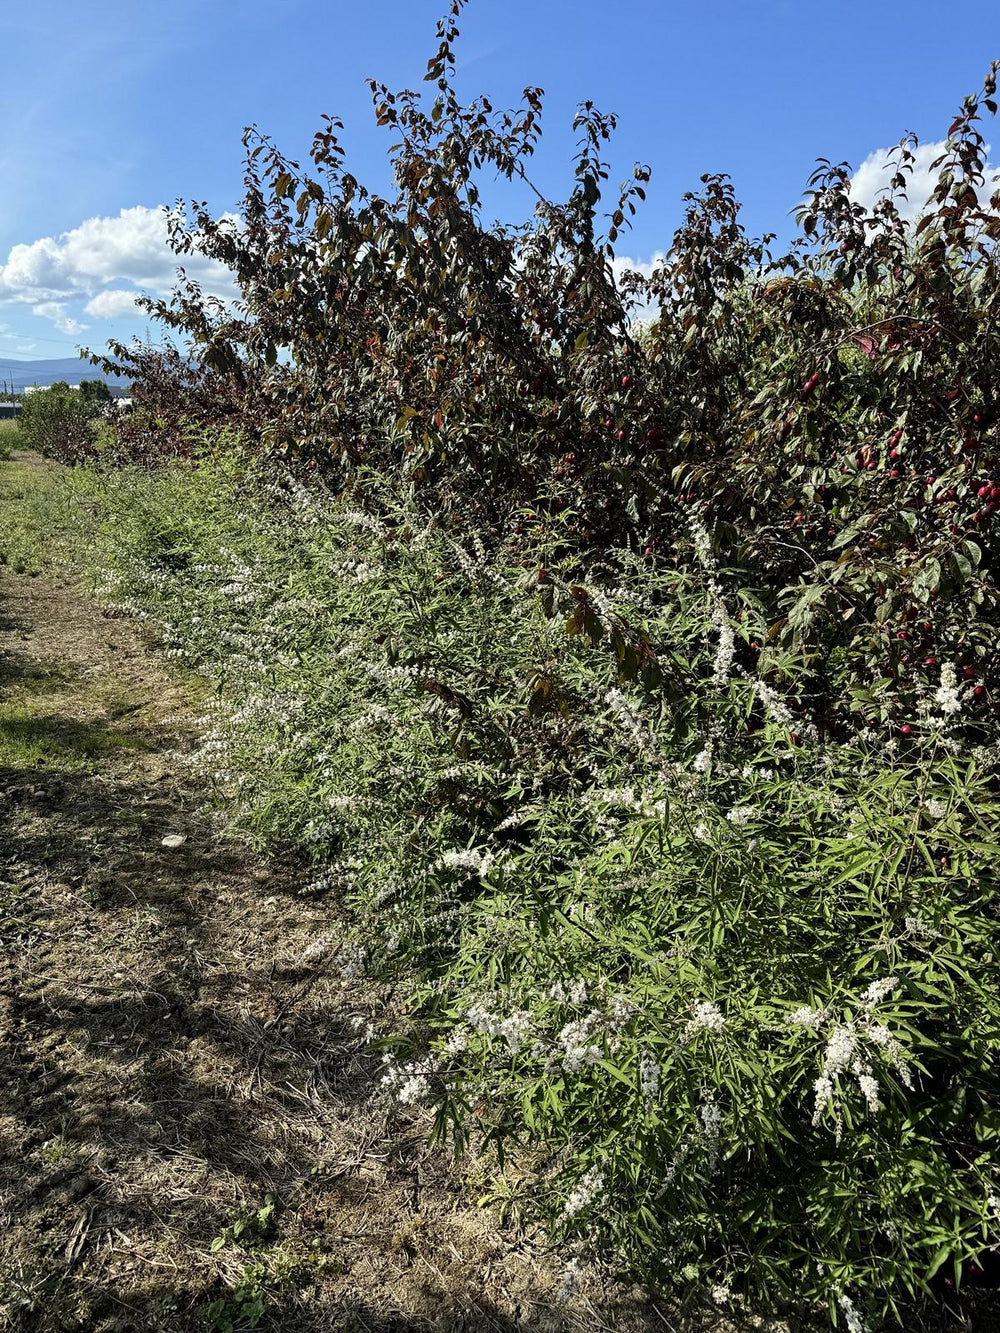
x=621, y=436
x=969, y=672
x=906, y=729
x=894, y=472
x=626, y=381
x=930, y=661
x=979, y=692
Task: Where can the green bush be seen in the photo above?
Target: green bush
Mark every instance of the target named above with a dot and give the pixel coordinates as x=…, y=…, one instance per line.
x=9, y=439
x=728, y=993
x=64, y=423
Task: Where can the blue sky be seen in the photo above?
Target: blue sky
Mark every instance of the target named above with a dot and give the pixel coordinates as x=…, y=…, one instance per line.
x=107, y=114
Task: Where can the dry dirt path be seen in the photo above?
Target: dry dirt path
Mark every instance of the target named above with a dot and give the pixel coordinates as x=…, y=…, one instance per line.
x=187, y=1135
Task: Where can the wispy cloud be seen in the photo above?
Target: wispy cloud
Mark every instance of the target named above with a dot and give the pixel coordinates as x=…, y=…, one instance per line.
x=56, y=312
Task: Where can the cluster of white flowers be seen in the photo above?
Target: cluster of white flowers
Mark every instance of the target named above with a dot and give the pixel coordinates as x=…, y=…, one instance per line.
x=703, y=759
x=839, y=1051
x=575, y=993
x=741, y=815
x=727, y=643
x=587, y=1190
x=707, y=1015
x=458, y=1041
x=919, y=929
x=629, y=719
x=775, y=707
x=350, y=961
x=844, y=1052
x=702, y=832
x=852, y=1320
x=514, y=1029
x=408, y=1084
x=806, y=1017
x=479, y=860
x=711, y=1127
x=649, y=1079
x=877, y=991
x=948, y=695
x=702, y=542
x=935, y=808
x=578, y=1042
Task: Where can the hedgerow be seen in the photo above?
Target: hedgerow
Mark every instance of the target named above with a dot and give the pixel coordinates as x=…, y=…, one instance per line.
x=728, y=999
x=635, y=684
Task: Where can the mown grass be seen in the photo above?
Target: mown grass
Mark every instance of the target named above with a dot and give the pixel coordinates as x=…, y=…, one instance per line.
x=32, y=737
x=41, y=514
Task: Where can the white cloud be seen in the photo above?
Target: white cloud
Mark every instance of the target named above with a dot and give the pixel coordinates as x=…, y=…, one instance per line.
x=56, y=311
x=622, y=264
x=875, y=172
x=112, y=304
x=88, y=266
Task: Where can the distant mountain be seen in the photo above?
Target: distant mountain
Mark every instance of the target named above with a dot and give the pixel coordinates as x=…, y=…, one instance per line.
x=18, y=375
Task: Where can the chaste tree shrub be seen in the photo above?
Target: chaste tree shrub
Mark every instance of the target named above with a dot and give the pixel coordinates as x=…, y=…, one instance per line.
x=724, y=1000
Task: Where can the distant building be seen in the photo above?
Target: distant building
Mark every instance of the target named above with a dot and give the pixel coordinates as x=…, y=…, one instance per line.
x=9, y=410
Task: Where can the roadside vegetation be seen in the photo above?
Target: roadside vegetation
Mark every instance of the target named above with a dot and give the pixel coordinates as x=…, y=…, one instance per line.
x=635, y=688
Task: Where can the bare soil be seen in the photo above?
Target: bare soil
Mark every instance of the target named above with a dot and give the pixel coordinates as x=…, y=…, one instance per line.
x=190, y=1127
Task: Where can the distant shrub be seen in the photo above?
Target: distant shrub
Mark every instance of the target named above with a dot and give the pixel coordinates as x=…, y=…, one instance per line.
x=63, y=423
